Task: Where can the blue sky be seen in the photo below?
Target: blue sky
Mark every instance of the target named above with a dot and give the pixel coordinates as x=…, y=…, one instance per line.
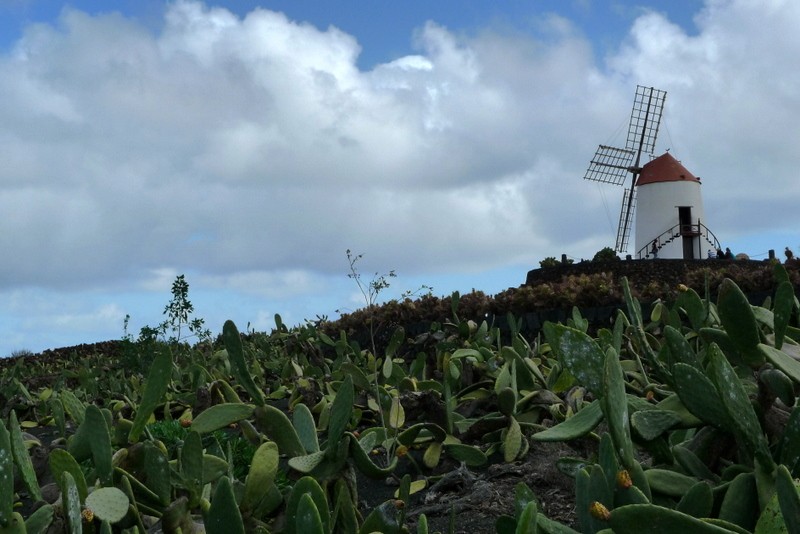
x=247, y=145
x=384, y=28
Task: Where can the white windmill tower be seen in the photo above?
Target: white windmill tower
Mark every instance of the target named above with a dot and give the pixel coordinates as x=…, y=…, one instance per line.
x=670, y=223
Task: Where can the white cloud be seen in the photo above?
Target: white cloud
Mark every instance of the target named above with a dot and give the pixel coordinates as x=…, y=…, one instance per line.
x=235, y=146
x=106, y=315
x=270, y=285
x=252, y=151
x=159, y=280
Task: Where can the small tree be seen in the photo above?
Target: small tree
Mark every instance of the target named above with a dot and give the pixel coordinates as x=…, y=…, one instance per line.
x=178, y=312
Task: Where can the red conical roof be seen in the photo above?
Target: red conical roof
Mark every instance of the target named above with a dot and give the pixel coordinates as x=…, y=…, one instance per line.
x=665, y=168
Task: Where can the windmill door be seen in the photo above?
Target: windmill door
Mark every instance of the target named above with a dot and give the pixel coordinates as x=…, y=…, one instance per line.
x=685, y=220
x=687, y=230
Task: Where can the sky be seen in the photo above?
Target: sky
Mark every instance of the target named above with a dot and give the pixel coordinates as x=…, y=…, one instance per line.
x=248, y=145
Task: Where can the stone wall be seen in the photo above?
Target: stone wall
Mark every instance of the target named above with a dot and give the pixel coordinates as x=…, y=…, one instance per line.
x=649, y=280
x=754, y=277
x=643, y=271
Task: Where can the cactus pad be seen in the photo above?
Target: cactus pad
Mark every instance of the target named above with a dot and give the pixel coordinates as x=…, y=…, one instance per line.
x=108, y=504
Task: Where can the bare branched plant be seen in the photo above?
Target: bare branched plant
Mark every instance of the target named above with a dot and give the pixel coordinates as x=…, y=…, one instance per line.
x=179, y=320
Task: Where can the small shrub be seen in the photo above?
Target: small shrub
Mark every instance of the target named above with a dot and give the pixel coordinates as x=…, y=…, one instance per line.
x=549, y=262
x=606, y=254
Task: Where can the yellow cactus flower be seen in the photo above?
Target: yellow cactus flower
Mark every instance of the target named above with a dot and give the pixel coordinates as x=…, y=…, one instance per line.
x=599, y=511
x=624, y=479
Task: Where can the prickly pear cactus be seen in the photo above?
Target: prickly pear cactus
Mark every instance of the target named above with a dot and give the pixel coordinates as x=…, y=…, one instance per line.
x=308, y=519
x=157, y=382
x=262, y=474
x=306, y=488
x=277, y=427
x=6, y=477
x=72, y=405
x=16, y=525
x=220, y=416
x=22, y=458
x=341, y=411
x=62, y=462
x=739, y=321
x=223, y=516
x=632, y=518
x=580, y=354
x=782, y=513
x=99, y=442
x=303, y=422
x=191, y=465
x=108, y=504
x=307, y=463
x=239, y=367
x=72, y=503
x=39, y=521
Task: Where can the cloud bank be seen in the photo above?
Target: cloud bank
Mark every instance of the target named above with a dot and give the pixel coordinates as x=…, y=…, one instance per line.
x=254, y=151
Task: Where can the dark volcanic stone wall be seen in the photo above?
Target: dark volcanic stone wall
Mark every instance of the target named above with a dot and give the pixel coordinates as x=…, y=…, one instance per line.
x=640, y=272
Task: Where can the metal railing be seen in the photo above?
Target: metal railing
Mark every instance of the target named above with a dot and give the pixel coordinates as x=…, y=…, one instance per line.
x=679, y=230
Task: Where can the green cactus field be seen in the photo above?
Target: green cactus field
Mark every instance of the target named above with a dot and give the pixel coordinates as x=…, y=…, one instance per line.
x=679, y=418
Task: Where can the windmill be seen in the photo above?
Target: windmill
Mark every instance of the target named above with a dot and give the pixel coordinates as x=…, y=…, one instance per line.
x=611, y=164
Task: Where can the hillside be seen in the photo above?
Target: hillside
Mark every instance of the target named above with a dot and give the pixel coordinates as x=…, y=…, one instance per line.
x=446, y=412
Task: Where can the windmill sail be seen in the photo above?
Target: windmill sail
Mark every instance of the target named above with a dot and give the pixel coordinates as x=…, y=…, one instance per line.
x=611, y=165
x=648, y=105
x=625, y=218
